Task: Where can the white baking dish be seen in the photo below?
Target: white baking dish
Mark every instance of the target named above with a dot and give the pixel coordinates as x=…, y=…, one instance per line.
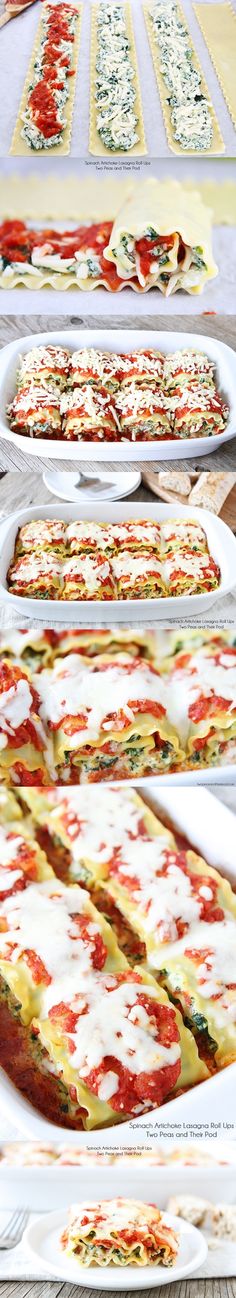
x=222, y=547
x=120, y=340
x=211, y=1104
x=46, y=1188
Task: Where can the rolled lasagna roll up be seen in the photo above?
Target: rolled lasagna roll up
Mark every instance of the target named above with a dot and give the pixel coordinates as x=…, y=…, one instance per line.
x=190, y=573
x=199, y=412
x=136, y=535
x=88, y=576
x=35, y=412
x=89, y=538
x=180, y=534
x=107, y=709
x=23, y=738
x=46, y=367
x=32, y=648
x=120, y=1046
x=100, y=369
x=203, y=982
x=162, y=238
x=170, y=900
x=22, y=861
x=138, y=576
x=88, y=413
x=143, y=414
x=37, y=575
x=51, y=934
x=96, y=828
x=144, y=368
x=119, y=1232
x=41, y=534
x=186, y=368
x=205, y=696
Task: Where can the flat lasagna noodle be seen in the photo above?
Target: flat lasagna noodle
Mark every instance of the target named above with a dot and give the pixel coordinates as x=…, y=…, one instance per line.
x=116, y=118
x=119, y=1232
x=45, y=115
x=217, y=25
x=95, y=1060
x=144, y=246
x=203, y=981
x=190, y=120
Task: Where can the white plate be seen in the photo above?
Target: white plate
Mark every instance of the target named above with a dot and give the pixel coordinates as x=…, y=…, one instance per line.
x=43, y=1242
x=120, y=340
x=221, y=543
x=63, y=485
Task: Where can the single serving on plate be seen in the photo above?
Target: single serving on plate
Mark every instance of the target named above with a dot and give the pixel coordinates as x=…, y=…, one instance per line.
x=119, y=1232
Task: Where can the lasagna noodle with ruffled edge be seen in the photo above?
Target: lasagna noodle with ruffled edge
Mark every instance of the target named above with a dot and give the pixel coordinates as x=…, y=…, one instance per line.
x=44, y=366
x=105, y=710
x=217, y=23
x=24, y=743
x=20, y=144
x=143, y=244
x=203, y=983
x=108, y=1085
x=127, y=57
x=53, y=262
x=119, y=1232
x=215, y=144
x=202, y=701
x=36, y=413
x=52, y=934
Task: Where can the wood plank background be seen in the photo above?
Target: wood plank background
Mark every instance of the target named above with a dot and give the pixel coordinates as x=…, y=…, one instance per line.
x=182, y=1289
x=222, y=327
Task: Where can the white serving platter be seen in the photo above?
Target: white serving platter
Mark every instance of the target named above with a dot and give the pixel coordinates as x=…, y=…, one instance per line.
x=52, y=1187
x=119, y=340
x=42, y=1238
x=213, y=1101
x=221, y=543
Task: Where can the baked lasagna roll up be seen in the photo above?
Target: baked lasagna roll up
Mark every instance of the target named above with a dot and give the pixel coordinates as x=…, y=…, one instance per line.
x=167, y=894
x=25, y=751
x=46, y=367
x=185, y=369
x=36, y=575
x=203, y=982
x=119, y=1232
x=179, y=534
x=144, y=368
x=143, y=414
x=89, y=538
x=136, y=535
x=95, y=827
x=88, y=576
x=199, y=412
x=138, y=576
x=32, y=648
x=162, y=238
x=22, y=861
x=205, y=686
x=41, y=534
x=10, y=810
x=107, y=709
x=52, y=935
x=88, y=413
x=36, y=412
x=97, y=368
x=120, y=1046
x=190, y=573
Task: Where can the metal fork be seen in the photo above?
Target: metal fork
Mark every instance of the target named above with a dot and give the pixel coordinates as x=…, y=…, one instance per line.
x=12, y=1233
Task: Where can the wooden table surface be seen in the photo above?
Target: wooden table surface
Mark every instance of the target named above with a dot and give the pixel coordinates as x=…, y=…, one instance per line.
x=221, y=327
x=57, y=1289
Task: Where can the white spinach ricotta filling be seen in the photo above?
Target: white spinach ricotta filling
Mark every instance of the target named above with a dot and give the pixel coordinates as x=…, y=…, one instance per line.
x=115, y=95
x=191, y=116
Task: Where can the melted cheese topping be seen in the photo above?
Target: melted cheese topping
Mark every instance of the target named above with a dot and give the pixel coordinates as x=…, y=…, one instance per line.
x=15, y=708
x=45, y=530
x=29, y=568
x=132, y=567
x=87, y=569
x=73, y=687
x=110, y=1216
x=42, y=919
x=101, y=1006
x=98, y=824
